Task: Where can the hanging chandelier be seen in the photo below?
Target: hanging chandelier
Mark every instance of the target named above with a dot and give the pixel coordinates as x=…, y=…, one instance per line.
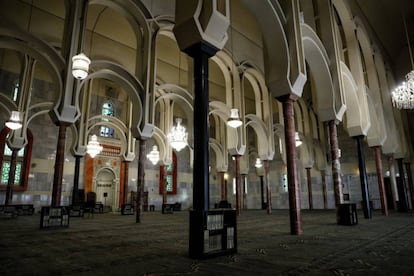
x=14, y=122
x=154, y=155
x=403, y=96
x=258, y=163
x=234, y=120
x=178, y=136
x=93, y=148
x=80, y=66
x=298, y=141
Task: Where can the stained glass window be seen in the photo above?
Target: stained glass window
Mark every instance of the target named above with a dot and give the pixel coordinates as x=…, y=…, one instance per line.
x=22, y=161
x=15, y=92
x=107, y=110
x=169, y=173
x=5, y=173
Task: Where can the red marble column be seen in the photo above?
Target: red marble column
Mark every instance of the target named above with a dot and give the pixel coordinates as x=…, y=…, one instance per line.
x=410, y=183
x=325, y=199
x=336, y=165
x=266, y=167
x=291, y=162
x=12, y=175
x=59, y=163
x=140, y=181
x=309, y=181
x=381, y=186
x=238, y=184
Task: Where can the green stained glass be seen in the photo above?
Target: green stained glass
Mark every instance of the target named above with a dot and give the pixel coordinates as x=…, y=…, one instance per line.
x=170, y=168
x=18, y=173
x=7, y=150
x=20, y=153
x=5, y=172
x=169, y=183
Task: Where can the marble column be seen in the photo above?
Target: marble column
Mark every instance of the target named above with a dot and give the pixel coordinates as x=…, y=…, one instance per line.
x=309, y=181
x=238, y=184
x=59, y=163
x=402, y=196
x=325, y=199
x=266, y=167
x=410, y=183
x=141, y=180
x=12, y=175
x=336, y=165
x=262, y=193
x=76, y=180
x=291, y=162
x=363, y=177
x=381, y=186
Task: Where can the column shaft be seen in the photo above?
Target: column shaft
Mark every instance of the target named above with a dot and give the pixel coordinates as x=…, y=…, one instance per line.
x=292, y=174
x=12, y=175
x=381, y=186
x=336, y=165
x=76, y=180
x=410, y=183
x=59, y=162
x=363, y=177
x=309, y=181
x=141, y=180
x=402, y=196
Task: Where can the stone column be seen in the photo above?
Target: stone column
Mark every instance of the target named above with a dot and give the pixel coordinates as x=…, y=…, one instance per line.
x=402, y=202
x=225, y=185
x=244, y=189
x=222, y=186
x=381, y=186
x=291, y=162
x=59, y=162
x=410, y=183
x=266, y=167
x=262, y=193
x=336, y=165
x=363, y=177
x=12, y=175
x=309, y=181
x=126, y=178
x=238, y=184
x=325, y=199
x=76, y=180
x=141, y=180
x=393, y=181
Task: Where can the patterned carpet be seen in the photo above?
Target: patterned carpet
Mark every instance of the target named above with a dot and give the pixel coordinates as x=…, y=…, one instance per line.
x=111, y=244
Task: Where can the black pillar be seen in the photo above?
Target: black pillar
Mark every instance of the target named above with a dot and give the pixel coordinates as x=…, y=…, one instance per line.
x=262, y=193
x=140, y=182
x=363, y=177
x=402, y=196
x=201, y=52
x=76, y=180
x=12, y=175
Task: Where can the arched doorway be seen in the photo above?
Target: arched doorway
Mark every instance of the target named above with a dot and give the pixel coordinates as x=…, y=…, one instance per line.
x=105, y=188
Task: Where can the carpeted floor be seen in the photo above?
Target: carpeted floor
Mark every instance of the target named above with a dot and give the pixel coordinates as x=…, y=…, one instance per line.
x=111, y=244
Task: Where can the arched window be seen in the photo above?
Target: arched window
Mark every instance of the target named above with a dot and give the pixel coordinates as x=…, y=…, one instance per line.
x=15, y=94
x=107, y=110
x=22, y=162
x=169, y=173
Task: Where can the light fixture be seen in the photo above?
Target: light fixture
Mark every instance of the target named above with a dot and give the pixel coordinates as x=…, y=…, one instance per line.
x=258, y=163
x=154, y=155
x=14, y=122
x=80, y=66
x=234, y=120
x=403, y=95
x=298, y=141
x=178, y=136
x=93, y=148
